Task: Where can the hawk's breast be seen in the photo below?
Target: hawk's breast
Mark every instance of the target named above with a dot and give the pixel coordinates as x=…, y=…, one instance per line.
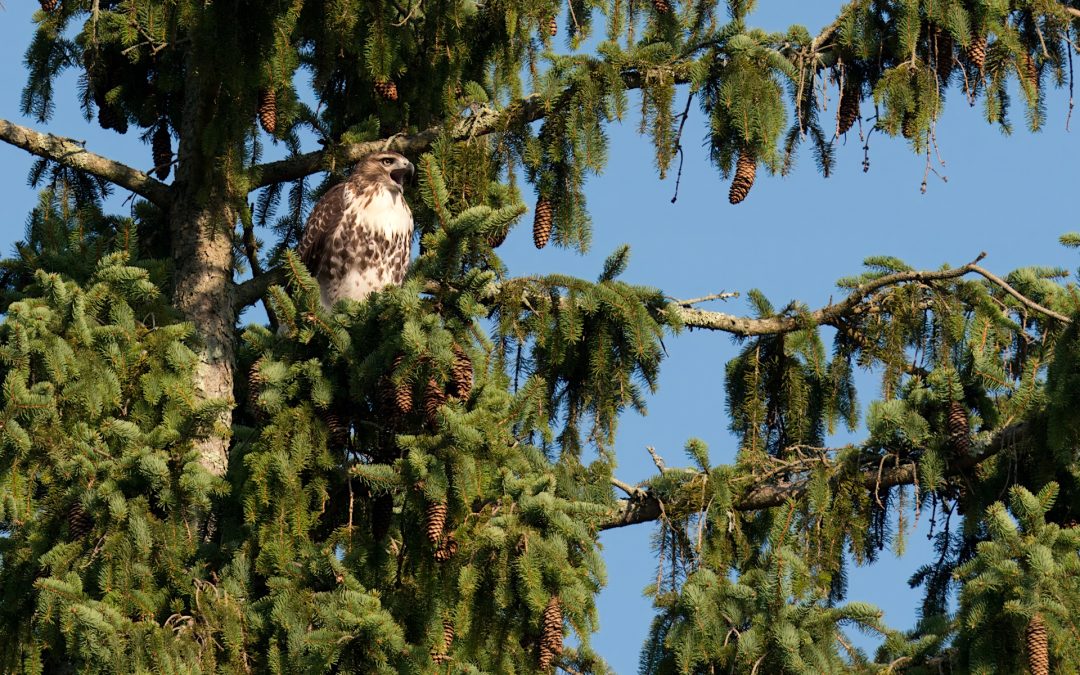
x=371, y=247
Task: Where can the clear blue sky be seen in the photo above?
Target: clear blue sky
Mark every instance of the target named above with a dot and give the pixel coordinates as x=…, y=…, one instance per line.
x=1010, y=196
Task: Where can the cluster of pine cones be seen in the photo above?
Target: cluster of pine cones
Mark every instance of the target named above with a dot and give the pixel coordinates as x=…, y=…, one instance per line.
x=400, y=397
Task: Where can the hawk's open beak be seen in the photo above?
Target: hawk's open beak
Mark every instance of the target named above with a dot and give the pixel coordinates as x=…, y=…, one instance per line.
x=407, y=172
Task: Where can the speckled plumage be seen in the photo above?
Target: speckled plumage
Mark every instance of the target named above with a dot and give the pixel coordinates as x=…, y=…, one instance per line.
x=357, y=238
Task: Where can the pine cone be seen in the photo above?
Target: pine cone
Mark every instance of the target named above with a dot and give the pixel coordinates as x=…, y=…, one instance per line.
x=161, y=145
x=1031, y=71
x=434, y=398
x=661, y=6
x=542, y=223
x=849, y=111
x=496, y=238
x=1038, y=651
x=447, y=550
x=959, y=429
x=435, y=521
x=552, y=26
x=387, y=89
x=461, y=374
x=109, y=118
x=400, y=395
x=976, y=52
x=745, y=170
x=440, y=652
x=382, y=511
x=268, y=110
x=256, y=381
x=551, y=633
x=908, y=128
x=78, y=521
x=49, y=5
x=339, y=433
x=943, y=55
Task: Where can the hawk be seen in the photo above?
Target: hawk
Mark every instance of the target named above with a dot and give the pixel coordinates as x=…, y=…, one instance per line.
x=358, y=237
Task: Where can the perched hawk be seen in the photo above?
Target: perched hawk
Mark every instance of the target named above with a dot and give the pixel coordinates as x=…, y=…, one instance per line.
x=358, y=237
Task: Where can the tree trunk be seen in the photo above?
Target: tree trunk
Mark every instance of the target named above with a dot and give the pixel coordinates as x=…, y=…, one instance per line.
x=201, y=221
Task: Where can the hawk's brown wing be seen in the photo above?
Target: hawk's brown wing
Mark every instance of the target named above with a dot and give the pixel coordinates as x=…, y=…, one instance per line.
x=321, y=223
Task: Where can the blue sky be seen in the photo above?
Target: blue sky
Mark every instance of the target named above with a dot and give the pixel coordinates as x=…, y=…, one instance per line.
x=792, y=238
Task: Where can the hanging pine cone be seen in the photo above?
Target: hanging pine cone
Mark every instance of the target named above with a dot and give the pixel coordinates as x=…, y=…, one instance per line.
x=434, y=398
x=497, y=236
x=109, y=118
x=461, y=374
x=552, y=26
x=440, y=652
x=268, y=110
x=542, y=223
x=1031, y=71
x=1038, y=651
x=849, y=111
x=446, y=550
x=398, y=396
x=161, y=145
x=382, y=511
x=78, y=521
x=745, y=170
x=339, y=433
x=943, y=55
x=661, y=6
x=908, y=128
x=435, y=521
x=551, y=633
x=959, y=429
x=976, y=52
x=256, y=381
x=49, y=5
x=387, y=89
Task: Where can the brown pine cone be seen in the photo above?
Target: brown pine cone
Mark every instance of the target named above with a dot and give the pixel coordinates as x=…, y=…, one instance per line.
x=461, y=374
x=78, y=521
x=551, y=633
x=435, y=521
x=382, y=512
x=552, y=26
x=1031, y=71
x=268, y=110
x=908, y=128
x=446, y=550
x=943, y=54
x=387, y=89
x=1038, y=651
x=109, y=118
x=440, y=653
x=976, y=52
x=496, y=238
x=434, y=398
x=399, y=396
x=849, y=111
x=959, y=428
x=49, y=5
x=256, y=382
x=661, y=6
x=542, y=223
x=161, y=148
x=339, y=433
x=745, y=170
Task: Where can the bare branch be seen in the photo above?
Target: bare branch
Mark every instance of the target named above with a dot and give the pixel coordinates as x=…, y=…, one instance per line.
x=773, y=491
x=70, y=153
x=1024, y=300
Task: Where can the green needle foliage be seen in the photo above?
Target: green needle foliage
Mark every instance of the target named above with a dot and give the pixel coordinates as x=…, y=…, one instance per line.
x=416, y=483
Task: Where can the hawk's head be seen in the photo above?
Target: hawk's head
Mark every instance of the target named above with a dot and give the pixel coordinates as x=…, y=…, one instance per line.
x=389, y=168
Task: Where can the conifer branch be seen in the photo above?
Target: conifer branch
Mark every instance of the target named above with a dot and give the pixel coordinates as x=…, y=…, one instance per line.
x=855, y=301
x=71, y=153
x=773, y=491
x=481, y=122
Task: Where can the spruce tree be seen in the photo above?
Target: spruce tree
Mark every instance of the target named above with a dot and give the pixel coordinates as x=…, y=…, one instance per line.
x=416, y=482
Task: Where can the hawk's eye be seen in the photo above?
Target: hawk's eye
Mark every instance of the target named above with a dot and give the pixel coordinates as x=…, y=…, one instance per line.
x=387, y=160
